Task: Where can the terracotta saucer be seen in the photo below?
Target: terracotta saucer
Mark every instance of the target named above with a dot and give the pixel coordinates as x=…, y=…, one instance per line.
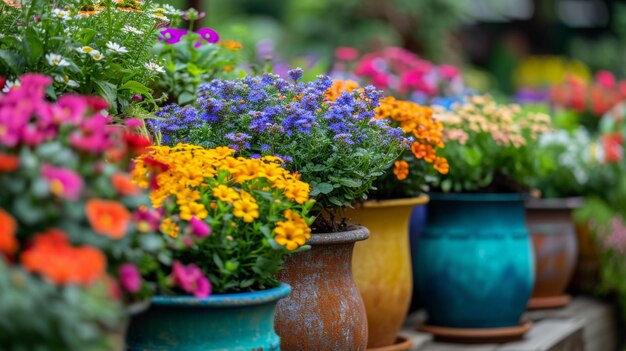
x=476, y=336
x=402, y=343
x=537, y=303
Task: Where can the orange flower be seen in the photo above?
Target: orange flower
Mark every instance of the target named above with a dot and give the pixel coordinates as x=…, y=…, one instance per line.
x=8, y=163
x=426, y=152
x=8, y=243
x=401, y=170
x=54, y=258
x=231, y=45
x=441, y=165
x=108, y=218
x=124, y=185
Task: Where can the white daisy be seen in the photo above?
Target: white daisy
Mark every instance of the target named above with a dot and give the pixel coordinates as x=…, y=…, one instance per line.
x=167, y=9
x=96, y=55
x=10, y=84
x=132, y=29
x=160, y=17
x=151, y=66
x=57, y=60
x=62, y=14
x=85, y=49
x=67, y=81
x=117, y=48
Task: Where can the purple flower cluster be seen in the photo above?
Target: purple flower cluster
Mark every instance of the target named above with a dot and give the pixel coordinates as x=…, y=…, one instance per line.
x=244, y=114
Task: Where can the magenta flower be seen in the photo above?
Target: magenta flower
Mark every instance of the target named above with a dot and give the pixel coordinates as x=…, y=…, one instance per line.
x=346, y=53
x=172, y=35
x=449, y=72
x=191, y=279
x=93, y=135
x=209, y=35
x=130, y=278
x=199, y=228
x=147, y=220
x=63, y=182
x=606, y=79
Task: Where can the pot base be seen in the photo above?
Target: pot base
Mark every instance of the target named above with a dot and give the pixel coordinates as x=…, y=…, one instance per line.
x=402, y=343
x=539, y=303
x=476, y=336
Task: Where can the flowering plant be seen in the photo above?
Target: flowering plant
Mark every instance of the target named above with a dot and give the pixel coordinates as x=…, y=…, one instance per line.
x=414, y=167
x=190, y=58
x=88, y=47
x=335, y=145
x=490, y=146
x=236, y=218
x=70, y=220
x=401, y=73
x=570, y=162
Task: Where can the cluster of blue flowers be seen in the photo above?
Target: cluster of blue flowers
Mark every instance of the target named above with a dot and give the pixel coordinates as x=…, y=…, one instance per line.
x=250, y=111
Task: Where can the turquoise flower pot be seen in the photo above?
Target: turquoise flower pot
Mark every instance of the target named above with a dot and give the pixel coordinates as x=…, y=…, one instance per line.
x=475, y=261
x=233, y=322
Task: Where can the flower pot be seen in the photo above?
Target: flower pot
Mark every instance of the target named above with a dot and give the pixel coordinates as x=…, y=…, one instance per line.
x=587, y=272
x=553, y=235
x=325, y=310
x=416, y=227
x=242, y=321
x=475, y=263
x=382, y=266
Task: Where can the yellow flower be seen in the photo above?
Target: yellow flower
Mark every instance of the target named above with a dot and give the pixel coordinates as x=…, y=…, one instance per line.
x=224, y=193
x=193, y=209
x=169, y=227
x=186, y=196
x=246, y=209
x=291, y=234
x=231, y=45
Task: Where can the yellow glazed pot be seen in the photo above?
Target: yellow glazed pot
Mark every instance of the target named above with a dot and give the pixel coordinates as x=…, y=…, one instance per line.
x=382, y=266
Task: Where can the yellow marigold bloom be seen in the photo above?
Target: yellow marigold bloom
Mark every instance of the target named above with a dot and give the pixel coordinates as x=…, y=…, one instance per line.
x=193, y=209
x=169, y=227
x=297, y=191
x=293, y=232
x=338, y=87
x=186, y=196
x=224, y=193
x=246, y=210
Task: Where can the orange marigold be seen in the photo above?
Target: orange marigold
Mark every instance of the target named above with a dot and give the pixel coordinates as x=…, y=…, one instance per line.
x=338, y=87
x=8, y=243
x=54, y=258
x=441, y=165
x=8, y=163
x=108, y=218
x=401, y=170
x=426, y=152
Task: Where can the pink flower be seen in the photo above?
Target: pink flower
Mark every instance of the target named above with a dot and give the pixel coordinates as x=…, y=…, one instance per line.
x=208, y=35
x=130, y=278
x=448, y=71
x=63, y=182
x=606, y=79
x=191, y=279
x=93, y=135
x=199, y=228
x=346, y=53
x=616, y=238
x=147, y=220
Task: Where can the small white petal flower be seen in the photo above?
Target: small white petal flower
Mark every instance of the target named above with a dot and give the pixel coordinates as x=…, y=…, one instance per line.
x=151, y=66
x=132, y=29
x=117, y=48
x=62, y=14
x=96, y=55
x=167, y=9
x=160, y=17
x=67, y=81
x=11, y=84
x=85, y=49
x=57, y=60
x=2, y=35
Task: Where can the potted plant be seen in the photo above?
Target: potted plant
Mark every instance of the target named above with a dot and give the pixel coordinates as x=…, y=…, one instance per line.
x=475, y=263
x=88, y=47
x=338, y=148
x=569, y=173
x=233, y=220
x=382, y=264
x=71, y=238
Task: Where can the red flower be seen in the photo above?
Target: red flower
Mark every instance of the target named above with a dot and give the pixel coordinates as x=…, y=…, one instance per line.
x=8, y=243
x=8, y=163
x=612, y=144
x=108, y=218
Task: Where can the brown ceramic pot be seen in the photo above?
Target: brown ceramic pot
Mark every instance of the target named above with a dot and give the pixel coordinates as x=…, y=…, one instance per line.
x=553, y=232
x=325, y=310
x=587, y=273
x=382, y=267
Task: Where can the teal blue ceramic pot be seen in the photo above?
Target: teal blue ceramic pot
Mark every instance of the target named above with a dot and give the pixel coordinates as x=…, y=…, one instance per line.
x=475, y=261
x=234, y=322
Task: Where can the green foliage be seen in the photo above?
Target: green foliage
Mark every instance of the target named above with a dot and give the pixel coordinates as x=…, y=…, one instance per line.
x=88, y=49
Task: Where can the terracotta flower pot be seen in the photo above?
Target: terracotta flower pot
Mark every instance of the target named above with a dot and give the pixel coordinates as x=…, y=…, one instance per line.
x=325, y=310
x=553, y=235
x=587, y=273
x=382, y=266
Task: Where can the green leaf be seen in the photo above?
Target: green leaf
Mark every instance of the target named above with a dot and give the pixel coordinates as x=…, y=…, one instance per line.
x=108, y=92
x=323, y=188
x=34, y=46
x=218, y=261
x=10, y=59
x=136, y=87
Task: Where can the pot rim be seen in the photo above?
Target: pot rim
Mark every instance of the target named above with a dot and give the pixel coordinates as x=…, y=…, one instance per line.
x=563, y=203
x=226, y=300
x=422, y=199
x=359, y=233
x=481, y=197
